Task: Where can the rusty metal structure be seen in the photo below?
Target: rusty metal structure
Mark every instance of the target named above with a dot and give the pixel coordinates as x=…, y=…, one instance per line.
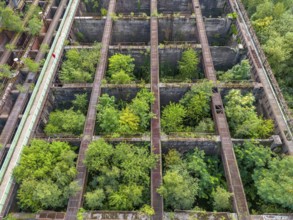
x=75, y=202
x=263, y=78
x=156, y=174
x=228, y=157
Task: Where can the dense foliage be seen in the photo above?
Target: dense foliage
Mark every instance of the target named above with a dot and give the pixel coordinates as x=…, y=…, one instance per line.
x=68, y=121
x=186, y=70
x=273, y=22
x=119, y=176
x=45, y=175
x=9, y=20
x=131, y=118
x=242, y=117
x=35, y=23
x=121, y=68
x=5, y=71
x=193, y=179
x=238, y=72
x=188, y=65
x=267, y=178
x=80, y=65
x=193, y=111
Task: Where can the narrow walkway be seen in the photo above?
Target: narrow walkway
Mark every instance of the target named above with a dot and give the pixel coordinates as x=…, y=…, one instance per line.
x=156, y=174
x=75, y=202
x=228, y=156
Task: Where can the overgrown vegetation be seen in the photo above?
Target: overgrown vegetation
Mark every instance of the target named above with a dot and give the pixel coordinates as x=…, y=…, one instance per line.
x=35, y=23
x=267, y=178
x=193, y=111
x=69, y=121
x=80, y=65
x=119, y=176
x=194, y=181
x=126, y=118
x=9, y=20
x=45, y=176
x=273, y=22
x=186, y=70
x=121, y=69
x=236, y=73
x=242, y=117
x=5, y=71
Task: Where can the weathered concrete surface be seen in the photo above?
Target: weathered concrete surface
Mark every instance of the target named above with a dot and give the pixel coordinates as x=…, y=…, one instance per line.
x=90, y=29
x=211, y=145
x=131, y=31
x=170, y=29
x=213, y=8
x=173, y=6
x=209, y=8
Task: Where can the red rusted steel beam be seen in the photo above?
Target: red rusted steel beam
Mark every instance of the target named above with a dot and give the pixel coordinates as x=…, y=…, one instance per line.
x=156, y=174
x=227, y=152
x=75, y=202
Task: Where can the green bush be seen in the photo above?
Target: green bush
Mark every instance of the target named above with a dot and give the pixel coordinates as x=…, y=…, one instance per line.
x=10, y=20
x=45, y=175
x=242, y=117
x=189, y=180
x=238, y=72
x=193, y=110
x=130, y=119
x=80, y=65
x=119, y=175
x=31, y=65
x=121, y=68
x=5, y=71
x=188, y=65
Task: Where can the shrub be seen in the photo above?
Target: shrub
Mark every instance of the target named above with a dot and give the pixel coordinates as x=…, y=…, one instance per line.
x=188, y=65
x=119, y=175
x=45, y=174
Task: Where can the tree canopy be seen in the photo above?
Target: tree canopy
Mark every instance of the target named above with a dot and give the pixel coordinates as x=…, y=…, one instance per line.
x=192, y=111
x=242, y=116
x=131, y=118
x=188, y=65
x=45, y=174
x=273, y=22
x=119, y=175
x=266, y=177
x=193, y=179
x=238, y=72
x=80, y=65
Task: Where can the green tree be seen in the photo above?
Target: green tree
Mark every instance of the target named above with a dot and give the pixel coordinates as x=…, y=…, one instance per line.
x=238, y=72
x=242, y=117
x=108, y=120
x=274, y=184
x=120, y=77
x=128, y=122
x=9, y=20
x=197, y=101
x=120, y=62
x=98, y=155
x=126, y=198
x=66, y=122
x=188, y=65
x=31, y=65
x=80, y=65
x=5, y=71
x=178, y=190
x=122, y=172
x=80, y=103
x=95, y=199
x=141, y=106
x=221, y=199
x=172, y=117
x=45, y=174
x=34, y=25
